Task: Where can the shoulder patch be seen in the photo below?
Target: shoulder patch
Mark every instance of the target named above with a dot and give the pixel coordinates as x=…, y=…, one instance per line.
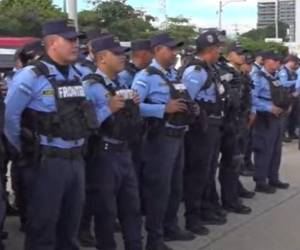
x=141, y=83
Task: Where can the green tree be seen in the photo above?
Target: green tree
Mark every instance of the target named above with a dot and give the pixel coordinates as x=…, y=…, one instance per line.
x=260, y=45
x=268, y=32
x=118, y=18
x=25, y=17
x=181, y=29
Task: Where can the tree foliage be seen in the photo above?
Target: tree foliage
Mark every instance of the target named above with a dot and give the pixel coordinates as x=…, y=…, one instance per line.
x=25, y=17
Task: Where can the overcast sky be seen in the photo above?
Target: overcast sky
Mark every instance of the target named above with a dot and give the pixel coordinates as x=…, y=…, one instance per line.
x=203, y=13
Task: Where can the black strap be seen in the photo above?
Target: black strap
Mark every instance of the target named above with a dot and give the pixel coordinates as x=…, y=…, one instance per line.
x=155, y=71
x=98, y=79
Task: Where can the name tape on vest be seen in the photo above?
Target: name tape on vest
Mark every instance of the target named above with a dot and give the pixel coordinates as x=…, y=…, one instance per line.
x=70, y=92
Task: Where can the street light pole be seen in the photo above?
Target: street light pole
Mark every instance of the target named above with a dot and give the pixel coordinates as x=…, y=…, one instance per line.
x=276, y=20
x=221, y=6
x=72, y=11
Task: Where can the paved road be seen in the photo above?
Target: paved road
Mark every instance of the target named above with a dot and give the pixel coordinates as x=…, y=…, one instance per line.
x=273, y=225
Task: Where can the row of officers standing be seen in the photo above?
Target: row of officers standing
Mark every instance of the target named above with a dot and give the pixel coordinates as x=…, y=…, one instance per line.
x=99, y=140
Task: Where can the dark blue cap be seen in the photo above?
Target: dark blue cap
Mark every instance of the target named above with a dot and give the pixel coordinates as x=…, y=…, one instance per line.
x=165, y=40
x=270, y=55
x=64, y=28
x=141, y=45
x=237, y=48
x=93, y=34
x=107, y=42
x=210, y=38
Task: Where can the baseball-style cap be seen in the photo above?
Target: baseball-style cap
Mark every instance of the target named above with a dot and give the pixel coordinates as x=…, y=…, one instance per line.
x=108, y=43
x=141, y=45
x=64, y=28
x=237, y=48
x=165, y=40
x=292, y=58
x=270, y=55
x=210, y=38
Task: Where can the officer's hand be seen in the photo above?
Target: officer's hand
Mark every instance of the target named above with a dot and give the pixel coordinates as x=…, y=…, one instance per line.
x=3, y=89
x=174, y=106
x=251, y=120
x=136, y=98
x=116, y=103
x=276, y=111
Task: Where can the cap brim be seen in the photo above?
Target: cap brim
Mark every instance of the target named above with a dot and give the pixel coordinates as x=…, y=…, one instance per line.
x=120, y=49
x=174, y=44
x=71, y=35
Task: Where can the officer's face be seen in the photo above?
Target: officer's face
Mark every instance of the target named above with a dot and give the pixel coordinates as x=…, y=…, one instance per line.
x=115, y=61
x=271, y=65
x=66, y=49
x=214, y=53
x=236, y=58
x=165, y=55
x=246, y=68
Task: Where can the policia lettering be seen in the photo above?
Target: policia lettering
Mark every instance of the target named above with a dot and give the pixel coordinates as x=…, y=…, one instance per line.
x=280, y=95
x=177, y=91
x=75, y=117
x=124, y=124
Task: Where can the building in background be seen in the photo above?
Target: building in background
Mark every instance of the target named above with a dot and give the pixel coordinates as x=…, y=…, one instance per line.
x=297, y=28
x=286, y=14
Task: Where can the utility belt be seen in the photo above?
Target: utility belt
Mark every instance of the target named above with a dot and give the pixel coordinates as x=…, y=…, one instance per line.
x=65, y=153
x=113, y=147
x=157, y=127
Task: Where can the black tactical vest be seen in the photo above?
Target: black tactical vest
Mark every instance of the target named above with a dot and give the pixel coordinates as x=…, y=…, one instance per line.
x=177, y=91
x=131, y=69
x=124, y=124
x=75, y=117
x=280, y=95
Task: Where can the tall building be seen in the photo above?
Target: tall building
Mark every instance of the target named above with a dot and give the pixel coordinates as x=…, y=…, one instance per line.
x=286, y=14
x=298, y=22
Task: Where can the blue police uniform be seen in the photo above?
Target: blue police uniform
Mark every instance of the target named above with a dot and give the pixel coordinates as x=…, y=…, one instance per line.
x=55, y=204
x=126, y=78
x=86, y=66
x=202, y=146
x=111, y=178
x=267, y=132
x=162, y=173
x=255, y=69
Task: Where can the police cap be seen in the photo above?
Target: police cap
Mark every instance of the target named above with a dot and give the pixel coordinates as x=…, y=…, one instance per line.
x=209, y=38
x=64, y=28
x=108, y=42
x=270, y=55
x=164, y=39
x=141, y=45
x=237, y=48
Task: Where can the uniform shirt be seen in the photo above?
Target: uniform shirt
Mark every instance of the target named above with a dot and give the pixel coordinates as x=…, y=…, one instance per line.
x=284, y=77
x=34, y=92
x=255, y=69
x=84, y=70
x=298, y=81
x=262, y=92
x=153, y=91
x=194, y=81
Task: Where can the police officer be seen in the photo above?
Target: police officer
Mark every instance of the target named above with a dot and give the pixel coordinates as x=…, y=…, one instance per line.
x=248, y=166
x=86, y=65
x=112, y=183
x=233, y=144
x=271, y=100
x=21, y=176
x=258, y=64
x=203, y=139
x=288, y=77
x=163, y=170
x=141, y=56
x=48, y=102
